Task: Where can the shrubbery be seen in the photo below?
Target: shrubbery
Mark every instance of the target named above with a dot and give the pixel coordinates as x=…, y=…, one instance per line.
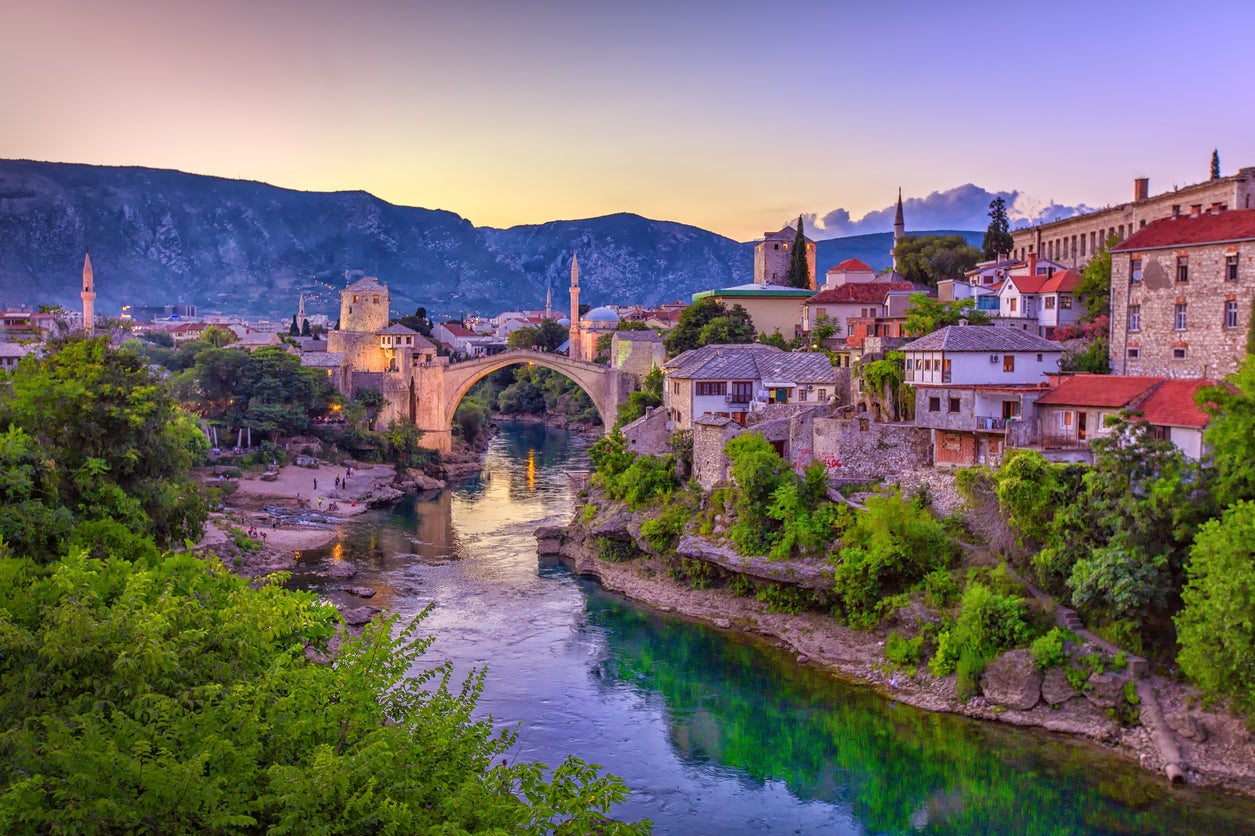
x=988, y=623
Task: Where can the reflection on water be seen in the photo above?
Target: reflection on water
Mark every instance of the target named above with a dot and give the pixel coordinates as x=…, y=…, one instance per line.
x=712, y=734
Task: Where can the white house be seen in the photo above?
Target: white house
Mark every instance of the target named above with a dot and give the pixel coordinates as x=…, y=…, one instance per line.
x=732, y=380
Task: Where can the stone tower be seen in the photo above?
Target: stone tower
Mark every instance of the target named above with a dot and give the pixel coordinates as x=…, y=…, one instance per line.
x=899, y=230
x=364, y=306
x=574, y=351
x=89, y=294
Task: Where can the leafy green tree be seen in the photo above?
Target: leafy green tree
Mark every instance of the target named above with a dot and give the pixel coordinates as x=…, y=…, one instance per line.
x=799, y=272
x=927, y=314
x=690, y=330
x=1093, y=359
x=1094, y=289
x=885, y=378
x=998, y=238
x=1215, y=627
x=1030, y=490
x=215, y=337
x=372, y=400
x=266, y=390
x=526, y=337
x=164, y=695
x=111, y=434
x=470, y=419
x=928, y=259
x=1230, y=434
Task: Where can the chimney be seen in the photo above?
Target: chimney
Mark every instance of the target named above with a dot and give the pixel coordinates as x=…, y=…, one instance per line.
x=1141, y=188
x=1032, y=264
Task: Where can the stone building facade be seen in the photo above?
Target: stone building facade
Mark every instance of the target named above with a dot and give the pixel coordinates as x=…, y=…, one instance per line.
x=1073, y=241
x=1181, y=296
x=773, y=254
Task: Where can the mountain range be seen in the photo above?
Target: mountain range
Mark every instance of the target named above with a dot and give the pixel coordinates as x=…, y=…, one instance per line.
x=159, y=237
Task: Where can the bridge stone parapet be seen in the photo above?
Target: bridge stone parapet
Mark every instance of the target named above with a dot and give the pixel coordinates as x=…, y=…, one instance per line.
x=440, y=387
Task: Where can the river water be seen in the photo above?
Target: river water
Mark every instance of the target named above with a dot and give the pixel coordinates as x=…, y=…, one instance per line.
x=712, y=735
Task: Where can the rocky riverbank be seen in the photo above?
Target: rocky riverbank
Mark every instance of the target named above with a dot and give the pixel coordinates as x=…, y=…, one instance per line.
x=1207, y=747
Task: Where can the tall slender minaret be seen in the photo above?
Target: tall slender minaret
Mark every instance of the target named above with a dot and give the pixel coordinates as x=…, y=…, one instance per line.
x=574, y=351
x=300, y=311
x=88, y=295
x=548, y=301
x=899, y=230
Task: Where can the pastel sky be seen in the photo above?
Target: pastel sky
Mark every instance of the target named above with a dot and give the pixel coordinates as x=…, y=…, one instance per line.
x=732, y=116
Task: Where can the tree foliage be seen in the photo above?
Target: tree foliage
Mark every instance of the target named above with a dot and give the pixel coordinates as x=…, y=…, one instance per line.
x=166, y=695
x=709, y=321
x=799, y=272
x=998, y=240
x=649, y=395
x=1231, y=434
x=928, y=259
x=91, y=433
x=1094, y=289
x=1216, y=626
x=927, y=314
x=547, y=336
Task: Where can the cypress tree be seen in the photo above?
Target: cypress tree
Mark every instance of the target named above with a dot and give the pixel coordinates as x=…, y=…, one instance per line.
x=294, y=330
x=799, y=274
x=998, y=235
x=1215, y=164
x=305, y=328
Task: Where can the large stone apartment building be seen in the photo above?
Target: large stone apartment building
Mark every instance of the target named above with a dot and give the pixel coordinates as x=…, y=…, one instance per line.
x=1181, y=296
x=1073, y=241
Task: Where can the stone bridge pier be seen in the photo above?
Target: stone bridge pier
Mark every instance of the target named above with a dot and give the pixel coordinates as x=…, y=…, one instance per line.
x=440, y=386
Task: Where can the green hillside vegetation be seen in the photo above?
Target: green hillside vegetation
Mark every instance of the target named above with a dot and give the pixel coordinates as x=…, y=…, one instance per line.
x=149, y=690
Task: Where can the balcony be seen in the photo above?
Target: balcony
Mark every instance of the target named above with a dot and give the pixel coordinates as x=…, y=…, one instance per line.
x=991, y=424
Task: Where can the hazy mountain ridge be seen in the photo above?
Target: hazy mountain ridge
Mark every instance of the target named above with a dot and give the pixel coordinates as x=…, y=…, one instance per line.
x=234, y=246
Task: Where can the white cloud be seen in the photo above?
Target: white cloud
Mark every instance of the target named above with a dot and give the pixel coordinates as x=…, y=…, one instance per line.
x=963, y=207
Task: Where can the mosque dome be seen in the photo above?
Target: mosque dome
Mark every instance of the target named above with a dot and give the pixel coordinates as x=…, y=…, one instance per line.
x=602, y=314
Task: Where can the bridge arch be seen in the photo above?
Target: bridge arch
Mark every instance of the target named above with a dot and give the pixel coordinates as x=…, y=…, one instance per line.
x=441, y=388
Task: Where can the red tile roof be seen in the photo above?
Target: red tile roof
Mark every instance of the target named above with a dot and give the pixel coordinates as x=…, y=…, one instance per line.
x=1104, y=390
x=1172, y=404
x=851, y=265
x=1063, y=281
x=1230, y=225
x=862, y=293
x=457, y=330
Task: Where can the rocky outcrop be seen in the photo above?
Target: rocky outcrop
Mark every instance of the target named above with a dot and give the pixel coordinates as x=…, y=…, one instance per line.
x=416, y=480
x=1105, y=690
x=357, y=616
x=810, y=575
x=1055, y=688
x=1013, y=680
x=342, y=569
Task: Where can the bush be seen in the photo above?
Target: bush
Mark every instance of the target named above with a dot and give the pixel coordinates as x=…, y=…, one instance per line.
x=940, y=590
x=889, y=547
x=662, y=531
x=970, y=666
x=646, y=479
x=617, y=551
x=987, y=624
x=902, y=651
x=1047, y=650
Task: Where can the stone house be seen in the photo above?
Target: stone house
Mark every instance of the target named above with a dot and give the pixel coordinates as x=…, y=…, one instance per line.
x=1181, y=295
x=973, y=384
x=850, y=271
x=731, y=381
x=844, y=302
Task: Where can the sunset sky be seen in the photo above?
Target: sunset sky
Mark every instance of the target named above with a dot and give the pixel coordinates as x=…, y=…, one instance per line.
x=728, y=115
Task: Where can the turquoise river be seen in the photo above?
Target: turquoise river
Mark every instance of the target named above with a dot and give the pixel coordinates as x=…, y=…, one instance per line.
x=713, y=735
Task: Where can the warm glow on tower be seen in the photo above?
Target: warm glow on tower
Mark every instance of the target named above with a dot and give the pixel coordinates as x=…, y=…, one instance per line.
x=89, y=294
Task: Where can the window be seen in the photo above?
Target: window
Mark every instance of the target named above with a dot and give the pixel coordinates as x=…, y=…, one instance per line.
x=1065, y=301
x=712, y=387
x=928, y=365
x=1013, y=301
x=354, y=297
x=1008, y=362
x=1179, y=352
x=675, y=388
x=1178, y=318
x=934, y=404
x=823, y=394
x=1183, y=268
x=802, y=395
x=1135, y=317
x=1231, y=268
x=1134, y=352
x=1038, y=358
x=910, y=364
x=1231, y=314
x=1049, y=303
x=742, y=391
x=954, y=404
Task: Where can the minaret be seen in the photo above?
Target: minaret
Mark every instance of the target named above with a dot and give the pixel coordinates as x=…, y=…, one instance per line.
x=300, y=311
x=88, y=295
x=574, y=352
x=899, y=230
x=548, y=301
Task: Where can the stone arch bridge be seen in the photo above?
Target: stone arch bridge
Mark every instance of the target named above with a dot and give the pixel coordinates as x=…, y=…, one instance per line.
x=438, y=388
